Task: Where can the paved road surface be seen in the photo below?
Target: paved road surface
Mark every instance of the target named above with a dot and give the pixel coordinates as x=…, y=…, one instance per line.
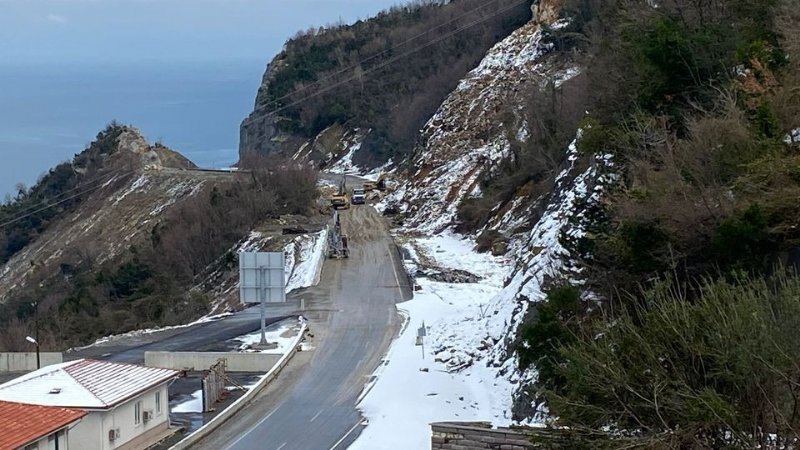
x=209, y=336
x=353, y=315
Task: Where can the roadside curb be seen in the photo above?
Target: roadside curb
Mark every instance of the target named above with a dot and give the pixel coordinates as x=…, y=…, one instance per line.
x=236, y=406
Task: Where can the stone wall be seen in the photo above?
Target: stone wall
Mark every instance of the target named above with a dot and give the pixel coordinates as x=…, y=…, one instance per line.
x=478, y=436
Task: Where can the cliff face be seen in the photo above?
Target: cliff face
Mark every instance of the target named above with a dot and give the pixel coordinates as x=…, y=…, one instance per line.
x=383, y=77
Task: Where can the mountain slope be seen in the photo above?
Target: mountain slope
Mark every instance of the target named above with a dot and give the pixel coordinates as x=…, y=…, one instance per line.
x=141, y=243
x=384, y=76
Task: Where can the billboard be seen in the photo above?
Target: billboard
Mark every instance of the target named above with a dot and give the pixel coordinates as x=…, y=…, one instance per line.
x=261, y=274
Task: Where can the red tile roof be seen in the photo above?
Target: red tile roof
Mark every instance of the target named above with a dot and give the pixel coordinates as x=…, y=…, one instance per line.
x=20, y=424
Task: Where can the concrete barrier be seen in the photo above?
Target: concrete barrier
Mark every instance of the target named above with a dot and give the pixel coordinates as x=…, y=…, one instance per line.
x=26, y=361
x=237, y=362
x=236, y=406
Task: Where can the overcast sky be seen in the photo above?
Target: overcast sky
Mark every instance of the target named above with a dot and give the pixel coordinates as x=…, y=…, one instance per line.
x=43, y=31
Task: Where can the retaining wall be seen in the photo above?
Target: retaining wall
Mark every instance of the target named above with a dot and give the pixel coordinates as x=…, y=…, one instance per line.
x=198, y=361
x=26, y=361
x=477, y=436
x=229, y=412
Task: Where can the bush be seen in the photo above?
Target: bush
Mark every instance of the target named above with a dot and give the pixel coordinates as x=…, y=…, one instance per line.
x=553, y=327
x=718, y=371
x=743, y=240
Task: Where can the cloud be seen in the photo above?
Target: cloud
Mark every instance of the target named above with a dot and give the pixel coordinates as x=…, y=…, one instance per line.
x=56, y=18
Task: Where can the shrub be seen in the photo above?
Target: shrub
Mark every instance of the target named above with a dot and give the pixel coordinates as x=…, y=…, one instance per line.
x=553, y=327
x=717, y=371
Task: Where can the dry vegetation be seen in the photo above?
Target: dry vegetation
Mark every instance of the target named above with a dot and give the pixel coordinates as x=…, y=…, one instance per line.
x=395, y=95
x=694, y=100
x=152, y=283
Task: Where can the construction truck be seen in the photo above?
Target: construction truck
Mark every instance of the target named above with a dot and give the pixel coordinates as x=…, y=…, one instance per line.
x=340, y=200
x=337, y=240
x=370, y=186
x=359, y=196
x=383, y=182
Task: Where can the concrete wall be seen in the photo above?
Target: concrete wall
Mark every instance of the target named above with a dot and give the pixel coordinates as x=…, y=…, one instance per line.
x=237, y=362
x=244, y=400
x=26, y=362
x=92, y=432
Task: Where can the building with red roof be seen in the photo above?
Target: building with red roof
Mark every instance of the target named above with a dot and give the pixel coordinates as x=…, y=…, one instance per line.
x=35, y=427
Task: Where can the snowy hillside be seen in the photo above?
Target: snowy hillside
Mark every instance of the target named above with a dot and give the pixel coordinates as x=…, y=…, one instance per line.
x=468, y=135
x=119, y=213
x=470, y=371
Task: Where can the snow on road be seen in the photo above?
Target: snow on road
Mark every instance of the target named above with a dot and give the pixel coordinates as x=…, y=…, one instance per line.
x=284, y=334
x=412, y=391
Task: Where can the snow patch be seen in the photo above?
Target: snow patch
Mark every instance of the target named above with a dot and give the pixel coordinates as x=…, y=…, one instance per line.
x=193, y=405
x=304, y=259
x=793, y=137
x=284, y=334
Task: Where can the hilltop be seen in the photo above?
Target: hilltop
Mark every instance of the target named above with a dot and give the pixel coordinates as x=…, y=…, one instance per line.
x=372, y=84
x=124, y=236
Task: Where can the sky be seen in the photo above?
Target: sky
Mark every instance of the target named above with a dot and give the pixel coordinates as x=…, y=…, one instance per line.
x=67, y=67
x=132, y=31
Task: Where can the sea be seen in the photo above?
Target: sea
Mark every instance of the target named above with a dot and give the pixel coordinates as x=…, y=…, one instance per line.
x=50, y=112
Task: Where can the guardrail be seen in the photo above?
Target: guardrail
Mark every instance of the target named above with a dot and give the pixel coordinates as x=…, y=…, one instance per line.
x=236, y=406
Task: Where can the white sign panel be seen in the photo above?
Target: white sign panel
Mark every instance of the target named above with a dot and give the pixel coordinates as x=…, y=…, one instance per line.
x=261, y=274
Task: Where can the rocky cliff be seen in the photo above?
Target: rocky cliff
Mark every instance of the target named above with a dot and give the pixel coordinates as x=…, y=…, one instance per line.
x=373, y=83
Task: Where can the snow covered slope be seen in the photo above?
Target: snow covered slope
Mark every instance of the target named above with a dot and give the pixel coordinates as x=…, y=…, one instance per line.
x=471, y=371
x=123, y=210
x=470, y=133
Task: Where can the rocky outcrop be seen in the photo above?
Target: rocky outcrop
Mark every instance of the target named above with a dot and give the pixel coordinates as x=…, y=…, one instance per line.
x=470, y=134
x=119, y=213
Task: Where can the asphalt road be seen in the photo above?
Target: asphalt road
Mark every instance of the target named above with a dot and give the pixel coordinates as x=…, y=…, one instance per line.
x=353, y=316
x=209, y=336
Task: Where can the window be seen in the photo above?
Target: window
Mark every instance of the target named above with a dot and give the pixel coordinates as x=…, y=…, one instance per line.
x=158, y=402
x=137, y=411
x=55, y=440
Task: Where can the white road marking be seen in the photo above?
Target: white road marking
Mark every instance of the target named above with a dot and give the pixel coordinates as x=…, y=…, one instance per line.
x=253, y=428
x=282, y=445
x=316, y=415
x=346, y=435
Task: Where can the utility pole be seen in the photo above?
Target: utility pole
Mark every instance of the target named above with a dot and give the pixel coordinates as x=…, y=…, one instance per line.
x=36, y=332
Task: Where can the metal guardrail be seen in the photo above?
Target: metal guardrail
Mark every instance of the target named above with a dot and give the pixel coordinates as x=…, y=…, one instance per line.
x=236, y=406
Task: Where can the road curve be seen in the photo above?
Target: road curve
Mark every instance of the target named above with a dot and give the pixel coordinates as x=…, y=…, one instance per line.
x=352, y=312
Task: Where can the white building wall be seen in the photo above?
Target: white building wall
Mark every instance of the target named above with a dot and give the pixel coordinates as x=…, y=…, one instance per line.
x=92, y=432
x=46, y=443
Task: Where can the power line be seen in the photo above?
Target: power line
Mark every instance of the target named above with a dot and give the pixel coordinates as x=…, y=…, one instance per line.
x=397, y=58
x=323, y=90
x=98, y=179
x=378, y=55
x=23, y=216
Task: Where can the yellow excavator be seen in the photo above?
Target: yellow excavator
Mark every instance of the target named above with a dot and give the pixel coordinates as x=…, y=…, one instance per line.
x=379, y=185
x=341, y=200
